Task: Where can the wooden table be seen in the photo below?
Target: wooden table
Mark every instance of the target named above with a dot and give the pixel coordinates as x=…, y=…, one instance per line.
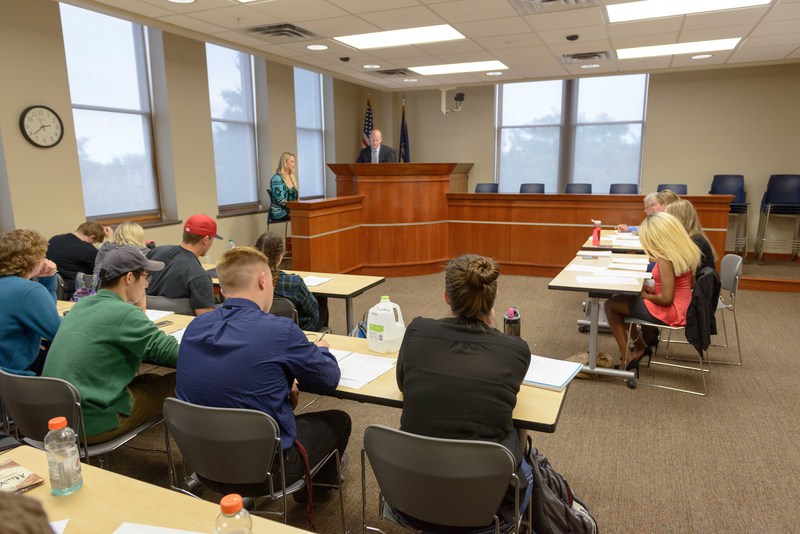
x=340, y=286
x=108, y=499
x=621, y=245
x=537, y=409
x=567, y=280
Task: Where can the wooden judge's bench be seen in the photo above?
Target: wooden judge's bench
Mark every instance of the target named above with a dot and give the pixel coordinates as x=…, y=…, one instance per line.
x=404, y=219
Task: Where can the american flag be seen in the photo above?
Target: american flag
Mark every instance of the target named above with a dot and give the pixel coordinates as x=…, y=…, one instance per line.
x=367, y=125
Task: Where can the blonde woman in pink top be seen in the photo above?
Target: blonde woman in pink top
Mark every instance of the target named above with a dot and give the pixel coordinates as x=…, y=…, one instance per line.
x=665, y=240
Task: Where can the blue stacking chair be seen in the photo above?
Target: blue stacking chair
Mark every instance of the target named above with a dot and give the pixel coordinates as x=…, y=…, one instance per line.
x=531, y=188
x=678, y=189
x=782, y=198
x=486, y=187
x=733, y=184
x=623, y=189
x=580, y=189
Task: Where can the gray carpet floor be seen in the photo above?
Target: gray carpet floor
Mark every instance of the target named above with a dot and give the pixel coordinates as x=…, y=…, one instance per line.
x=644, y=459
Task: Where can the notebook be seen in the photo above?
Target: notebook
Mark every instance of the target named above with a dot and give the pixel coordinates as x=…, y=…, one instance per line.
x=549, y=373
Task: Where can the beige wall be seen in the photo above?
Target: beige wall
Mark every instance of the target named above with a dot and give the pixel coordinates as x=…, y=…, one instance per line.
x=744, y=121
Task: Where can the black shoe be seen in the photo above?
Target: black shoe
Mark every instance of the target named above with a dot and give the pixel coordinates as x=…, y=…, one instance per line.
x=633, y=365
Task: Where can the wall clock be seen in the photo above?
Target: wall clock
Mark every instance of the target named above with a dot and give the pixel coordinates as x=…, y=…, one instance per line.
x=41, y=126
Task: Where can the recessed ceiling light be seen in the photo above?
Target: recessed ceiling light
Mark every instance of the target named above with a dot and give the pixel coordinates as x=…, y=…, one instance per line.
x=702, y=56
x=679, y=48
x=651, y=9
x=410, y=80
x=408, y=36
x=590, y=66
x=494, y=73
x=317, y=47
x=371, y=66
x=453, y=68
x=182, y=1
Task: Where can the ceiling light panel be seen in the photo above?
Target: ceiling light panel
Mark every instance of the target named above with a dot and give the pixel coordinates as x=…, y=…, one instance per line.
x=678, y=48
x=454, y=68
x=408, y=36
x=651, y=9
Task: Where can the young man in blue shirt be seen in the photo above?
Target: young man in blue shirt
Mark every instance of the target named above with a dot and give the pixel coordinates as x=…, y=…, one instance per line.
x=240, y=356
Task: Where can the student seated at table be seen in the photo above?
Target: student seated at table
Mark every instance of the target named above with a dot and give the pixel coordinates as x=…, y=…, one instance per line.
x=128, y=233
x=240, y=356
x=312, y=312
x=684, y=211
x=665, y=240
x=75, y=252
x=184, y=276
x=101, y=344
x=28, y=312
x=649, y=207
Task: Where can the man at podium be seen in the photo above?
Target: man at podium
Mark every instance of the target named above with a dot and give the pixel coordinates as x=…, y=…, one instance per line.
x=376, y=152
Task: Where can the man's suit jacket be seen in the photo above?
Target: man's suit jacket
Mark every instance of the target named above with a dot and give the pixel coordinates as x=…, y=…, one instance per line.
x=386, y=154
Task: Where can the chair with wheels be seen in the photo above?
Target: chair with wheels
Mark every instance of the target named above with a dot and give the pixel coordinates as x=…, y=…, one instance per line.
x=157, y=302
x=781, y=199
x=486, y=187
x=623, y=189
x=678, y=189
x=729, y=273
x=698, y=321
x=31, y=401
x=445, y=482
x=531, y=188
x=283, y=307
x=579, y=189
x=733, y=184
x=233, y=450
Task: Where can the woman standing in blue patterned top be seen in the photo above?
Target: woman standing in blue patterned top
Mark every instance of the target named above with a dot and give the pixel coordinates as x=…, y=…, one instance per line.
x=283, y=187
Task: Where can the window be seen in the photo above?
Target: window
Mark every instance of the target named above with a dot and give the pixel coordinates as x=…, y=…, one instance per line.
x=230, y=88
x=109, y=84
x=310, y=130
x=581, y=131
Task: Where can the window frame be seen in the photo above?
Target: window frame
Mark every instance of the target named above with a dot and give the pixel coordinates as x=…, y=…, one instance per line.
x=320, y=79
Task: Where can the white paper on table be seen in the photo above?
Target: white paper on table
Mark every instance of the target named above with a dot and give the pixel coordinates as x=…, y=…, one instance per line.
x=340, y=354
x=627, y=235
x=585, y=268
x=593, y=253
x=134, y=528
x=550, y=373
x=627, y=266
x=59, y=526
x=639, y=274
x=314, y=281
x=607, y=280
x=155, y=315
x=178, y=334
x=633, y=261
x=359, y=369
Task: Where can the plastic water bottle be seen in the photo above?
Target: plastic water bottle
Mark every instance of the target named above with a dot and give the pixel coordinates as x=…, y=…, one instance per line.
x=63, y=457
x=385, y=326
x=233, y=518
x=596, y=233
x=231, y=244
x=511, y=322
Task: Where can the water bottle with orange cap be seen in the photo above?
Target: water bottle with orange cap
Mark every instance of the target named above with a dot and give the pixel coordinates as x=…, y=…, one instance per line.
x=233, y=517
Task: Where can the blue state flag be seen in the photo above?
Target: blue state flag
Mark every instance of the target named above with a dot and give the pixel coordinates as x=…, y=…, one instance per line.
x=404, y=153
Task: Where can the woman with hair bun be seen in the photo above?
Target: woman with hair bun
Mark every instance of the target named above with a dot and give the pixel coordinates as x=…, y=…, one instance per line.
x=460, y=375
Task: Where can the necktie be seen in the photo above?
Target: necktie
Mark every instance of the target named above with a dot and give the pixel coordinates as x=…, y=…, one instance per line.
x=374, y=156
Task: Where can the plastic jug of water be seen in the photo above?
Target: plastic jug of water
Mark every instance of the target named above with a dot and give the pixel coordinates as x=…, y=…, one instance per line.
x=385, y=326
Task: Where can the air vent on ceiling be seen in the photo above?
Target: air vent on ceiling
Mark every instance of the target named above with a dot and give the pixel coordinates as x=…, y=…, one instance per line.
x=392, y=72
x=530, y=7
x=585, y=57
x=280, y=33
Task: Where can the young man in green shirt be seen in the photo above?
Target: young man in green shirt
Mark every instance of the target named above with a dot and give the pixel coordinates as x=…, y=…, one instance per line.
x=101, y=344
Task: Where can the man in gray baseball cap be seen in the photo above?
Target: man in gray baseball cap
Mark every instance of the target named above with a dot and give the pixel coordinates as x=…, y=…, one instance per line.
x=102, y=342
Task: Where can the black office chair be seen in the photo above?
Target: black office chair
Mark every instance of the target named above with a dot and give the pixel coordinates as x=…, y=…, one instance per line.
x=733, y=184
x=678, y=189
x=579, y=189
x=531, y=188
x=486, y=188
x=623, y=189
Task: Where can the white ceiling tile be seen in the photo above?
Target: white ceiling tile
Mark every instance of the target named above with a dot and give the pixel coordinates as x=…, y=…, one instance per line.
x=299, y=10
x=778, y=28
x=161, y=9
x=522, y=53
x=239, y=38
x=733, y=17
x=770, y=40
x=235, y=17
x=188, y=22
x=714, y=33
x=517, y=40
x=589, y=33
x=542, y=71
x=634, y=41
x=279, y=50
x=566, y=20
x=409, y=17
x=466, y=57
x=644, y=64
x=451, y=47
x=577, y=47
x=471, y=10
x=339, y=26
x=540, y=61
x=645, y=27
x=493, y=27
x=765, y=53
x=685, y=60
x=362, y=6
x=784, y=12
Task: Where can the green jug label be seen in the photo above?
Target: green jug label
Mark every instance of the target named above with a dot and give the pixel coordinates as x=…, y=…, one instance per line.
x=376, y=327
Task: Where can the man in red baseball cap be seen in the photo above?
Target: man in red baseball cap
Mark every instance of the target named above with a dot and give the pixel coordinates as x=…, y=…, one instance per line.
x=184, y=277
